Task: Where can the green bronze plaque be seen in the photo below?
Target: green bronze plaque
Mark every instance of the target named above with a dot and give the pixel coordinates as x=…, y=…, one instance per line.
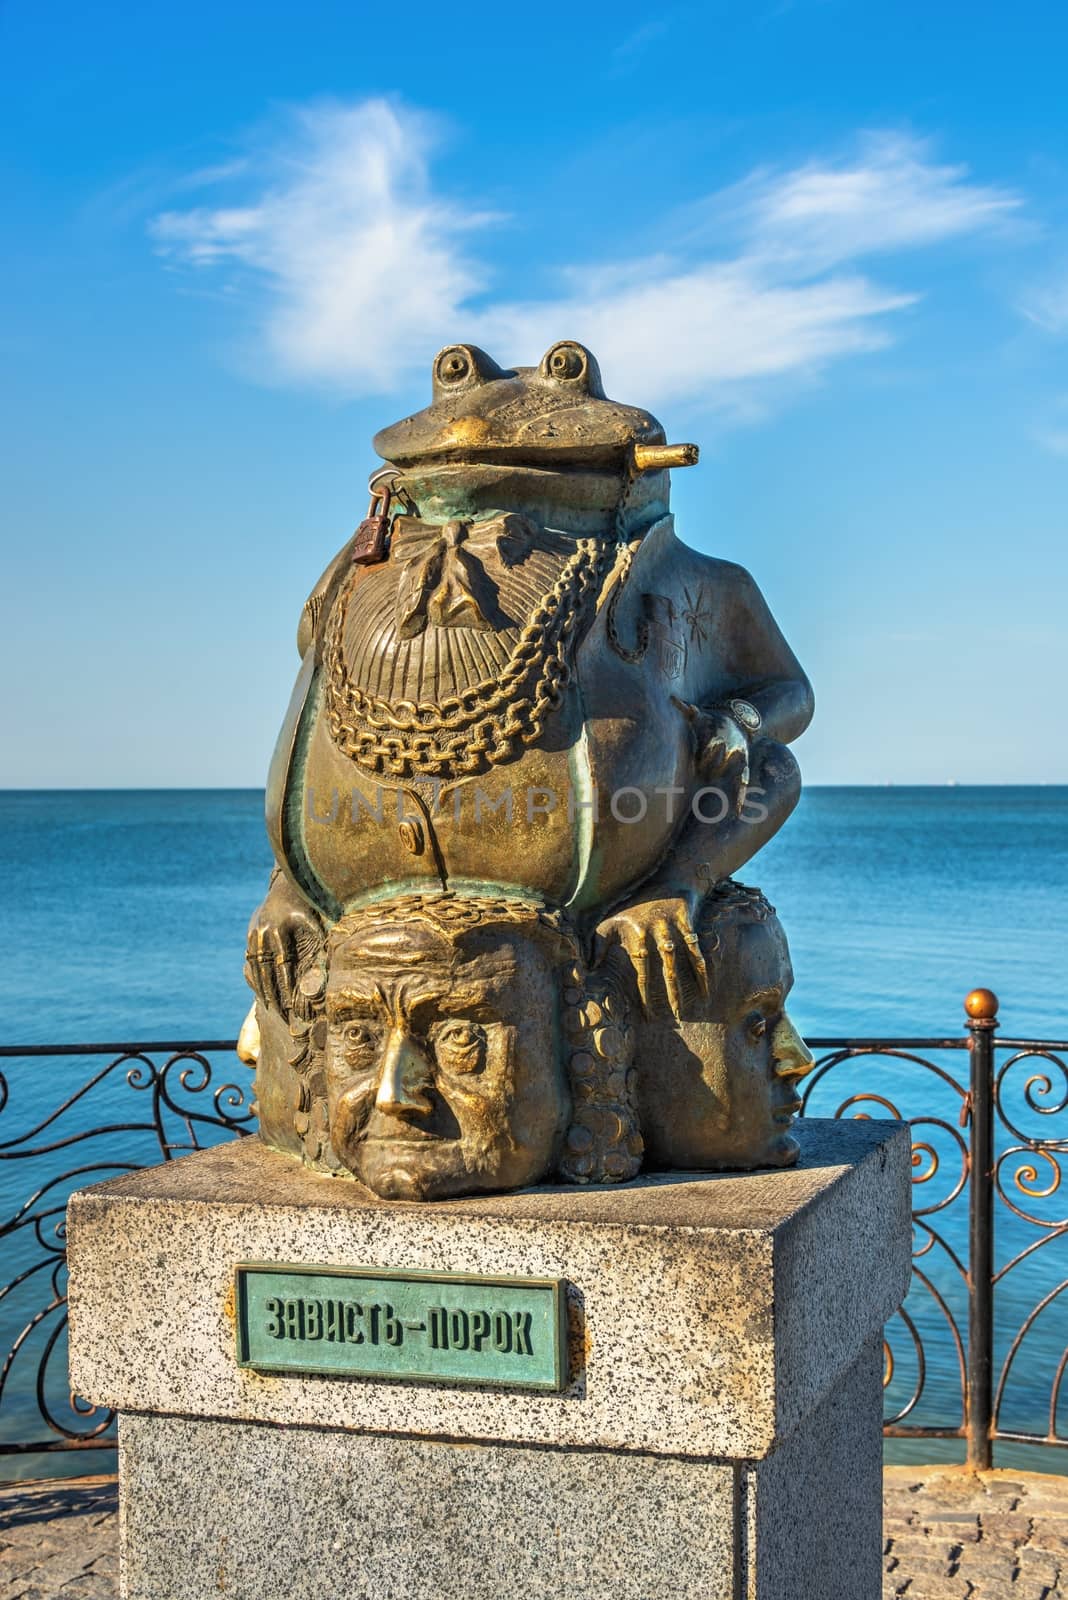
x=423, y=1327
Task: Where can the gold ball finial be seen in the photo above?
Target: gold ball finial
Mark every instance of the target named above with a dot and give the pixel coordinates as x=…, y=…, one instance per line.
x=982, y=1005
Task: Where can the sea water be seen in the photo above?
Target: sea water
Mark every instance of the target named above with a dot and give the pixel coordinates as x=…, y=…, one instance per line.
x=126, y=921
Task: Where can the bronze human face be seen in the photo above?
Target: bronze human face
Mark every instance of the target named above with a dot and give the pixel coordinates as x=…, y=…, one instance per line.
x=720, y=1087
x=442, y=1060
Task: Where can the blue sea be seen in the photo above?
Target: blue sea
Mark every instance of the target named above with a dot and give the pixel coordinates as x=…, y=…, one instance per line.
x=127, y=915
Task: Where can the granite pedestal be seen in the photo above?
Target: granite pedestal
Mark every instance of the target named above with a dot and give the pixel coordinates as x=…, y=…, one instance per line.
x=717, y=1435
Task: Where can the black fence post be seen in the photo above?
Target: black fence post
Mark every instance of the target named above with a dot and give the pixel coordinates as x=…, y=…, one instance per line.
x=981, y=1007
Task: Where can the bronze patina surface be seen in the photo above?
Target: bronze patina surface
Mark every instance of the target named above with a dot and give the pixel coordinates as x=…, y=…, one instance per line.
x=532, y=736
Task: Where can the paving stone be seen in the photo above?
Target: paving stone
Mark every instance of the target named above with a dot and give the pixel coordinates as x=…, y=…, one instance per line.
x=930, y=1557
x=59, y=1541
x=1011, y=1528
x=1039, y=1567
x=991, y=1566
x=1026, y=1589
x=922, y=1574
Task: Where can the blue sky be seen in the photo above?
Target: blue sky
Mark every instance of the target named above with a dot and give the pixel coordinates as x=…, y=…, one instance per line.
x=827, y=241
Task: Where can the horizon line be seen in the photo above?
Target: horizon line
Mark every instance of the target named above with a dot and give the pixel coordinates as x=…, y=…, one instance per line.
x=252, y=788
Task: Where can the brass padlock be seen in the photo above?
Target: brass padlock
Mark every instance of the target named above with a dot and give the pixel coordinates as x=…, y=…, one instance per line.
x=371, y=535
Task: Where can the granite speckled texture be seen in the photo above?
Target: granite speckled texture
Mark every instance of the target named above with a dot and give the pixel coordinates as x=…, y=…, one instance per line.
x=946, y=1534
x=814, y=1506
x=709, y=1314
x=399, y=1518
x=325, y=1515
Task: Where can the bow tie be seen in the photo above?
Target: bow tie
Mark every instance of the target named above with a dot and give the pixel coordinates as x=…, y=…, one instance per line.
x=444, y=579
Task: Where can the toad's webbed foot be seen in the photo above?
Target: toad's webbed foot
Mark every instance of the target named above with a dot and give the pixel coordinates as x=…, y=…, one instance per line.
x=284, y=937
x=659, y=938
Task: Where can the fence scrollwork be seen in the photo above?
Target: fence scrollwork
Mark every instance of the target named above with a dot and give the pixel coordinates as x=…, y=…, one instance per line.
x=147, y=1103
x=989, y=1120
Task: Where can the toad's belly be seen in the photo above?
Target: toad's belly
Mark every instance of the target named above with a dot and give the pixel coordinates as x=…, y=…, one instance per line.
x=577, y=817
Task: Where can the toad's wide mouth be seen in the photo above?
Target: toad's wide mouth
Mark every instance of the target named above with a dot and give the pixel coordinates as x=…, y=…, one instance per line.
x=520, y=428
x=611, y=457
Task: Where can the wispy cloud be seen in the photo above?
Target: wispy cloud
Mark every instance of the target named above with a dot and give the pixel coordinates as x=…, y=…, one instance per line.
x=715, y=331
x=1052, y=432
x=354, y=265
x=893, y=196
x=221, y=172
x=357, y=268
x=627, y=53
x=1053, y=439
x=1047, y=307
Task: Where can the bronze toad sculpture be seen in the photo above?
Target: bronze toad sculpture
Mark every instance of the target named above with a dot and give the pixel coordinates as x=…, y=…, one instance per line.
x=518, y=689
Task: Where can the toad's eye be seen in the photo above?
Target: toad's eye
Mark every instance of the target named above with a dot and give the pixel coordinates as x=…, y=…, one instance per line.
x=454, y=365
x=566, y=360
x=462, y=366
x=460, y=1046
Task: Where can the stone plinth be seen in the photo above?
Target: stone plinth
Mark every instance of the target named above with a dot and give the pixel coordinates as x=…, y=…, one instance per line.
x=718, y=1435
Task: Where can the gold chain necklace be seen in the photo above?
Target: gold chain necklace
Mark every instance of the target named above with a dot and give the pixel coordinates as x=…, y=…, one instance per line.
x=480, y=726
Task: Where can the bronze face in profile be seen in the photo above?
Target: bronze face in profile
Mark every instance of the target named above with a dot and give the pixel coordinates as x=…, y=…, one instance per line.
x=718, y=1087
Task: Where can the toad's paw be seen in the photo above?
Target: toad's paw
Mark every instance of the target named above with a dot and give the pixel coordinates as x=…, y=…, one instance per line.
x=659, y=938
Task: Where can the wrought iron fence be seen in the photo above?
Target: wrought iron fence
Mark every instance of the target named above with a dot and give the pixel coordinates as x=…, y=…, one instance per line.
x=970, y=1238
x=147, y=1103
x=981, y=1289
